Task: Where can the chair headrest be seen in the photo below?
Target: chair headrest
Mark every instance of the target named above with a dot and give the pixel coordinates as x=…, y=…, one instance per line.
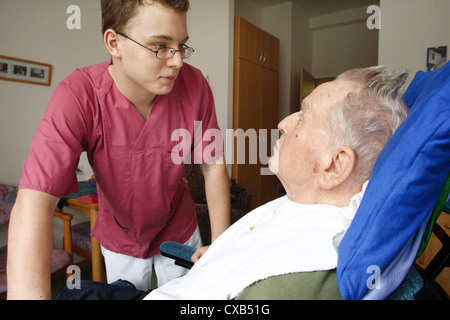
x=406, y=182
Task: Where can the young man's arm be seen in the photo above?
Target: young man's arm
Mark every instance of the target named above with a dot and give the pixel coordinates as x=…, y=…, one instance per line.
x=217, y=189
x=30, y=244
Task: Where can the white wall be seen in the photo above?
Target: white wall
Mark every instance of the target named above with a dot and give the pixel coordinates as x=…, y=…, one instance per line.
x=211, y=31
x=344, y=47
x=250, y=11
x=342, y=41
x=302, y=51
x=408, y=28
x=277, y=20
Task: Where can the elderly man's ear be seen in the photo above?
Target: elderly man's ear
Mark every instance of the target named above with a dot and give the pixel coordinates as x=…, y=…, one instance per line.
x=337, y=168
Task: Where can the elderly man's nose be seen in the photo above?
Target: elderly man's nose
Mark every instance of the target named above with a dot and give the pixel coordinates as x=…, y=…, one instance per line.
x=284, y=124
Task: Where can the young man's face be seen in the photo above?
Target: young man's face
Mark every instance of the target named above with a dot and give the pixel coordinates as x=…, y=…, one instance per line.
x=154, y=26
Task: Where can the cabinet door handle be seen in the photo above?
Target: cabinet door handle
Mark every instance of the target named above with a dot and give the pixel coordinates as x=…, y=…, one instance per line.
x=265, y=56
x=260, y=55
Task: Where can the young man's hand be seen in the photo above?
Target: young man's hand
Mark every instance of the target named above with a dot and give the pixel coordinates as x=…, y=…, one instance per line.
x=197, y=254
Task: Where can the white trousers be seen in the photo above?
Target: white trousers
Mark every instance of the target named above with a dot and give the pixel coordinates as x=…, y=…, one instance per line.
x=139, y=271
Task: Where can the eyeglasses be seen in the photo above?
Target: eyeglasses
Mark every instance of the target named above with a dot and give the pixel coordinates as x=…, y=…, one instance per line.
x=166, y=52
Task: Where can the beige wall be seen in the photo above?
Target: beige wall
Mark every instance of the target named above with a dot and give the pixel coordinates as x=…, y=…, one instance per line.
x=343, y=47
x=302, y=51
x=342, y=41
x=211, y=30
x=282, y=29
x=409, y=27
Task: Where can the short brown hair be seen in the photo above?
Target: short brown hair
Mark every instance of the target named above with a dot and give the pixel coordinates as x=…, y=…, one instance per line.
x=117, y=13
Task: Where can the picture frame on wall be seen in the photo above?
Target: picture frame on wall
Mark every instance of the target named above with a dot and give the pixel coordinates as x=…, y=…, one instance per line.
x=436, y=57
x=20, y=70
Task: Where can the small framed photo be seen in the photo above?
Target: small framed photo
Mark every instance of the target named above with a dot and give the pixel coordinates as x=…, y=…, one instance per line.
x=436, y=57
x=14, y=69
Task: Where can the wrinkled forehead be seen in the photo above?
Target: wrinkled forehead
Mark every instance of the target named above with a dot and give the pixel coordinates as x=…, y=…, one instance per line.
x=330, y=94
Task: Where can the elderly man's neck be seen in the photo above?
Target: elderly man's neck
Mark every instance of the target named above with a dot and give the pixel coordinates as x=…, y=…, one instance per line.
x=339, y=196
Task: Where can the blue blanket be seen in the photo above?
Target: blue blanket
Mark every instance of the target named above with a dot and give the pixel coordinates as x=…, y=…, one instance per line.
x=405, y=184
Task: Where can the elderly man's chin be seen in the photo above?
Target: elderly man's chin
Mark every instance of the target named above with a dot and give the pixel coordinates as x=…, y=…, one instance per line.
x=273, y=163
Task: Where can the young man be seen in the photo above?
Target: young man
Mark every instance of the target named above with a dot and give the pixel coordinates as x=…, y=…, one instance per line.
x=290, y=245
x=122, y=113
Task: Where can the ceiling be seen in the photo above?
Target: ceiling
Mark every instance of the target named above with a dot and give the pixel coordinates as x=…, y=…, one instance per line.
x=317, y=7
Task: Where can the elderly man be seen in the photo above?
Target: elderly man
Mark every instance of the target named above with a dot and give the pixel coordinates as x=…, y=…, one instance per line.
x=324, y=158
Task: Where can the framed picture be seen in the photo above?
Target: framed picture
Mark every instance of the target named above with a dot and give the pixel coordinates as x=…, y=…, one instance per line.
x=436, y=57
x=28, y=71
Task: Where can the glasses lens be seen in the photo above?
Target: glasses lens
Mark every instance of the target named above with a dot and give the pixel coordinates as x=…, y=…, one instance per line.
x=187, y=52
x=164, y=53
x=168, y=53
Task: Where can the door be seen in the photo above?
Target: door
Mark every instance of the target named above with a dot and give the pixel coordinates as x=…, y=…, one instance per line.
x=255, y=110
x=247, y=119
x=307, y=85
x=268, y=182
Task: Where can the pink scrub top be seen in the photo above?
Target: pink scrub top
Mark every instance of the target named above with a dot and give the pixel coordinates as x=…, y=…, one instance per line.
x=144, y=198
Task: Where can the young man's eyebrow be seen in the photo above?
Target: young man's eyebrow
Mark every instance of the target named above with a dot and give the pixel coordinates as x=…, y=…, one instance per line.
x=167, y=38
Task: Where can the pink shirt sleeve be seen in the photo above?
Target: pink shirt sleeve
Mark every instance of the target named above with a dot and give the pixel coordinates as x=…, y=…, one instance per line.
x=56, y=147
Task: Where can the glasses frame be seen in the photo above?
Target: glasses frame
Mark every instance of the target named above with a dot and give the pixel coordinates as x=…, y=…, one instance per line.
x=188, y=49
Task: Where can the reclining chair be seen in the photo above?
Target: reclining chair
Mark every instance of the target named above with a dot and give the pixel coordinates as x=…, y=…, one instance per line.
x=394, y=221
x=411, y=177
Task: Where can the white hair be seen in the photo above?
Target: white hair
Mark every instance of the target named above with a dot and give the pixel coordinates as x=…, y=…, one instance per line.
x=366, y=119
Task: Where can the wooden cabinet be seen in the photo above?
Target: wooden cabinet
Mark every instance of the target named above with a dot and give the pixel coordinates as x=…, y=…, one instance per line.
x=255, y=45
x=255, y=108
x=434, y=245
